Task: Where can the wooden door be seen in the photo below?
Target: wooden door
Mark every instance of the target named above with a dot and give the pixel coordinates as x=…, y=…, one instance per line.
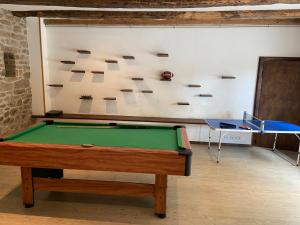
x=278, y=98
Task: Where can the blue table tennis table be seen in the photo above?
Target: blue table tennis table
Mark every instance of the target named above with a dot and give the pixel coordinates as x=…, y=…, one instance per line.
x=254, y=125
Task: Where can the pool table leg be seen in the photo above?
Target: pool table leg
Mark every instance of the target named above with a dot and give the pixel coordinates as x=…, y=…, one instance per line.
x=160, y=195
x=27, y=187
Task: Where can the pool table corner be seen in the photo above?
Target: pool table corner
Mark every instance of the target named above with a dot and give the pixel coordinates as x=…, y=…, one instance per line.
x=186, y=150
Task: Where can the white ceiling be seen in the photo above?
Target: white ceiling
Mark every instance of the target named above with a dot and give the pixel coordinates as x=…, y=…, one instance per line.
x=226, y=8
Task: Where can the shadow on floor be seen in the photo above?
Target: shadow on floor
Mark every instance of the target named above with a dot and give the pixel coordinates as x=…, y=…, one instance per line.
x=83, y=206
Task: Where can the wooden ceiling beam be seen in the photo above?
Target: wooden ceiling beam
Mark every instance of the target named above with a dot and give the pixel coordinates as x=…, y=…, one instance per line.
x=151, y=22
x=267, y=17
x=147, y=3
x=197, y=16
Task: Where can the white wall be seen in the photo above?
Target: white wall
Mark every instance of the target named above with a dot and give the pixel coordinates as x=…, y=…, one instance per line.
x=197, y=56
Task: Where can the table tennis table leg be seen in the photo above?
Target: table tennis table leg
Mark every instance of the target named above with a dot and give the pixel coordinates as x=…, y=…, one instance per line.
x=298, y=157
x=219, y=147
x=209, y=138
x=275, y=141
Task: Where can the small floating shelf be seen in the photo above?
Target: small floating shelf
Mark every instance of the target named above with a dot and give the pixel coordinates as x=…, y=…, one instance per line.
x=67, y=62
x=137, y=78
x=126, y=90
x=97, y=72
x=194, y=85
x=80, y=51
x=206, y=95
x=128, y=57
x=110, y=98
x=162, y=79
x=147, y=91
x=86, y=97
x=162, y=55
x=55, y=85
x=228, y=77
x=183, y=103
x=78, y=71
x=111, y=61
x=54, y=113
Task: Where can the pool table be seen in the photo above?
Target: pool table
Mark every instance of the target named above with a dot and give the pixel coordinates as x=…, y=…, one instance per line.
x=52, y=145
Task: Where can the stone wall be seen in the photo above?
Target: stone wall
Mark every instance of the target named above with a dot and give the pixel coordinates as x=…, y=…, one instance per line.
x=15, y=92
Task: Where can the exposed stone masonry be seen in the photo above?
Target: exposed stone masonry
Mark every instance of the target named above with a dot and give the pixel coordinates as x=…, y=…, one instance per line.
x=15, y=92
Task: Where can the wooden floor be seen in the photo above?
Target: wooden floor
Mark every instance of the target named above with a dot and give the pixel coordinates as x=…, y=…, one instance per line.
x=250, y=186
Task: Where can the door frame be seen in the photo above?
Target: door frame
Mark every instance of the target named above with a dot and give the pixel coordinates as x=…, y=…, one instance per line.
x=259, y=78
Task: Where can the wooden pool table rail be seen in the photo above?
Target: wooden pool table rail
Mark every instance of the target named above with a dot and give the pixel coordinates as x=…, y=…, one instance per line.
x=94, y=158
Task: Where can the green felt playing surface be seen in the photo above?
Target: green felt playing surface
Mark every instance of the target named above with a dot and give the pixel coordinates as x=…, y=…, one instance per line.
x=121, y=136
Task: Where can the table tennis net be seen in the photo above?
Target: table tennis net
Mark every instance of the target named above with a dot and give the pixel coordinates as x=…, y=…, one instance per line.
x=253, y=121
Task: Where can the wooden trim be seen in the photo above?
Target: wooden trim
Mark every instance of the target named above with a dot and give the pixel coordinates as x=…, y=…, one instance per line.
x=118, y=159
x=258, y=86
x=162, y=22
x=42, y=65
x=147, y=4
x=129, y=118
x=95, y=187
